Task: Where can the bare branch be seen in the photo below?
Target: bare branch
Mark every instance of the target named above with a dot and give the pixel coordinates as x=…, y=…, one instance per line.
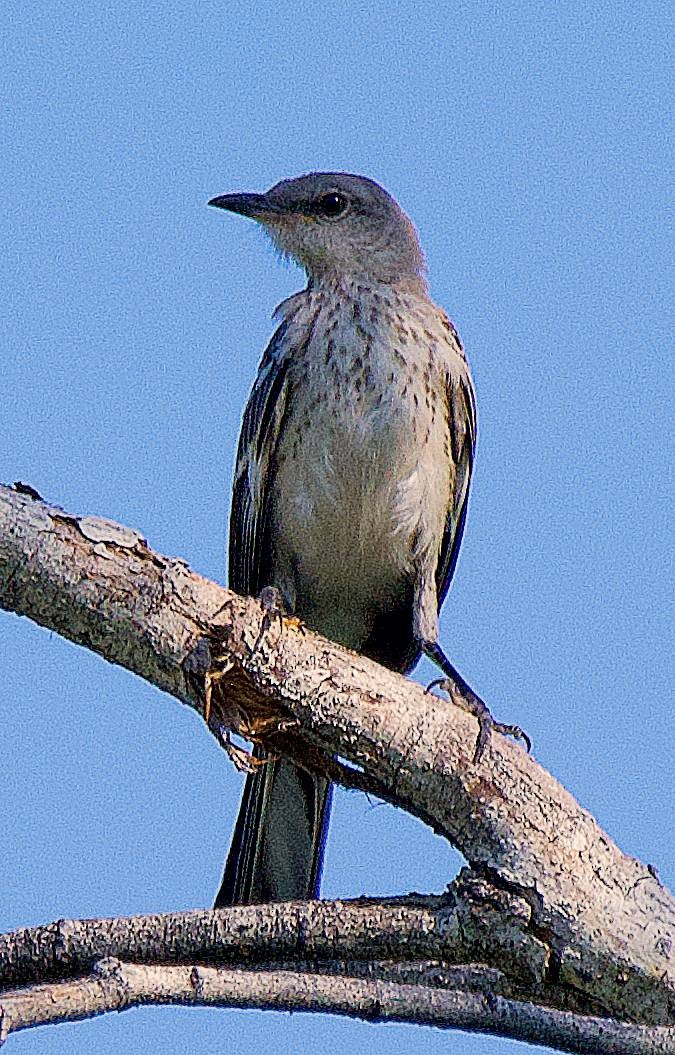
x=115, y=986
x=473, y=923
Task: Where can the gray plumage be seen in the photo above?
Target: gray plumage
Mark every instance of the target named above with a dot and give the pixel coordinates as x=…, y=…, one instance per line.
x=352, y=475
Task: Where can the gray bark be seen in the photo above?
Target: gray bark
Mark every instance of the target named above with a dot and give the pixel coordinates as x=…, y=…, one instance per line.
x=116, y=986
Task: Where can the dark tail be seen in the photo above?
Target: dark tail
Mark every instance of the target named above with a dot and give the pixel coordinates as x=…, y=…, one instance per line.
x=278, y=843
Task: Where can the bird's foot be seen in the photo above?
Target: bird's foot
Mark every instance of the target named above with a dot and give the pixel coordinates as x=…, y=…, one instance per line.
x=241, y=759
x=261, y=727
x=254, y=722
x=463, y=696
x=472, y=704
x=273, y=607
x=212, y=680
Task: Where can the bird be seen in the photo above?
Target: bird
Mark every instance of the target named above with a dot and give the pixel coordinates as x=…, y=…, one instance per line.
x=351, y=481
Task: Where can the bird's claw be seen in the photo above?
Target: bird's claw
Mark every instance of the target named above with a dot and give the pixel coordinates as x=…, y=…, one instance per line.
x=435, y=684
x=515, y=732
x=270, y=725
x=241, y=759
x=294, y=623
x=473, y=705
x=272, y=604
x=487, y=725
x=211, y=680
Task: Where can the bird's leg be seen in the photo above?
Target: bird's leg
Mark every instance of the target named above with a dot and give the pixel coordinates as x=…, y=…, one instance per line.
x=273, y=607
x=227, y=714
x=211, y=681
x=463, y=695
x=272, y=604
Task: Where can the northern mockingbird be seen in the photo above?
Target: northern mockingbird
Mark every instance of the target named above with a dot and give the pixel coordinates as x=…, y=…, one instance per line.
x=352, y=478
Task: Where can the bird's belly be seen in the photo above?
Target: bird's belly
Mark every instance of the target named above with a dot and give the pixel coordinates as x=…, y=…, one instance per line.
x=348, y=508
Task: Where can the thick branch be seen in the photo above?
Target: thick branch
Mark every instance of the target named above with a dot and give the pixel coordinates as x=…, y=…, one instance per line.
x=605, y=922
x=115, y=986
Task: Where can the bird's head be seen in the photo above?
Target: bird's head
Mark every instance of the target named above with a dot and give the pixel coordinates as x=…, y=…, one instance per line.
x=336, y=225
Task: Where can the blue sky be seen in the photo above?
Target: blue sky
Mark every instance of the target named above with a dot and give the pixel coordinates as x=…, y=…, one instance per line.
x=527, y=142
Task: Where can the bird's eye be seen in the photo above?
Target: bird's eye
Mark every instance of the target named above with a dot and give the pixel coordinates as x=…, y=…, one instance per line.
x=332, y=205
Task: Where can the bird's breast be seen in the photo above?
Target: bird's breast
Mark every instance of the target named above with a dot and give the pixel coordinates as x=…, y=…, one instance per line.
x=362, y=471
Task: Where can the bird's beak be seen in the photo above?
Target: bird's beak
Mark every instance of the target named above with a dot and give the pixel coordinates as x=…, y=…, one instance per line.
x=257, y=206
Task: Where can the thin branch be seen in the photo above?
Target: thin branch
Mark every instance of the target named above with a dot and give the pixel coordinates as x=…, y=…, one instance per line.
x=115, y=986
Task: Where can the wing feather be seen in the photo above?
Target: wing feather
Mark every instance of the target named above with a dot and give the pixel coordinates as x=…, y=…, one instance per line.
x=462, y=424
x=249, y=545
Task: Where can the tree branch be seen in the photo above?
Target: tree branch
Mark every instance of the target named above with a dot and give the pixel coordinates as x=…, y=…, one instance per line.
x=602, y=922
x=473, y=923
x=116, y=986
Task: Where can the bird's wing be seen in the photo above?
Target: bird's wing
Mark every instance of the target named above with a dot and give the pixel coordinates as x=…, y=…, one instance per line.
x=249, y=517
x=461, y=402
